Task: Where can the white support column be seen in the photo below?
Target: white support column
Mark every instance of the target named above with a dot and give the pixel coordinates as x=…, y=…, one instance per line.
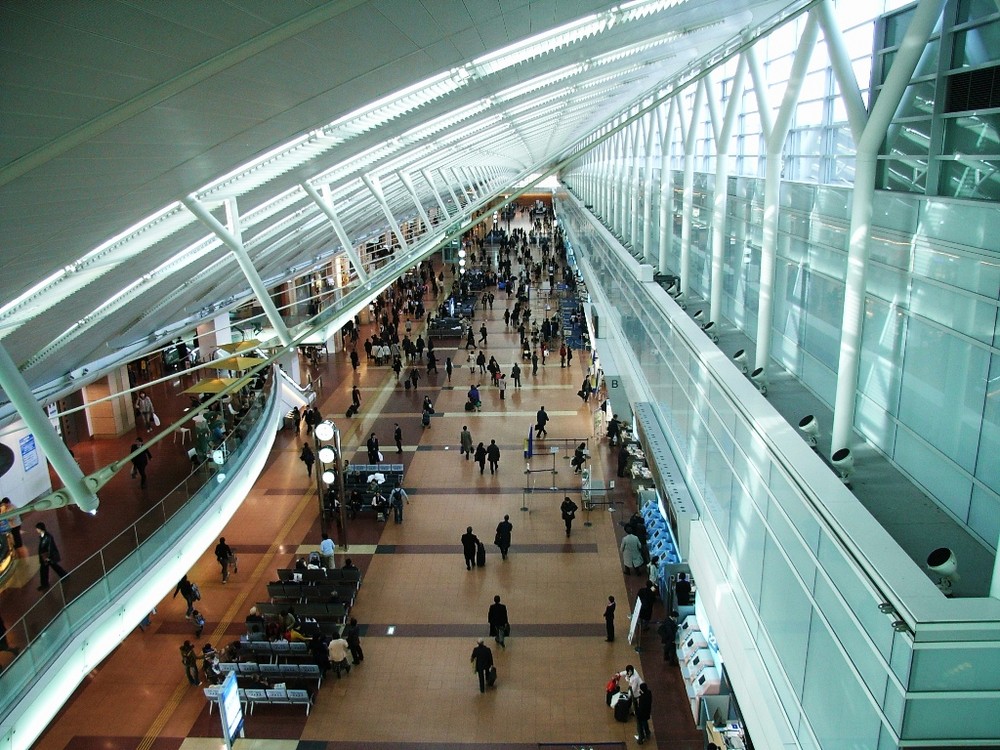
x=631, y=227
x=666, y=184
x=721, y=193
x=618, y=193
x=772, y=187
x=911, y=48
x=408, y=184
x=473, y=187
x=372, y=183
x=647, y=185
x=628, y=137
x=232, y=240
x=52, y=447
x=451, y=190
x=325, y=203
x=690, y=141
x=437, y=196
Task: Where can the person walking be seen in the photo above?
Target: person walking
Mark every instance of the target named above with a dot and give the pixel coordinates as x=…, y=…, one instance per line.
x=397, y=498
x=190, y=593
x=144, y=407
x=568, y=509
x=482, y=335
x=12, y=523
x=609, y=619
x=498, y=622
x=296, y=419
x=502, y=385
x=480, y=457
x=534, y=363
x=48, y=556
x=356, y=397
x=465, y=442
x=139, y=461
x=502, y=538
x=541, y=419
x=470, y=543
x=190, y=661
x=448, y=367
x=631, y=549
x=493, y=456
x=352, y=634
x=355, y=362
x=327, y=549
x=579, y=458
x=397, y=435
x=225, y=557
x=643, y=711
x=308, y=458
x=372, y=445
x=482, y=659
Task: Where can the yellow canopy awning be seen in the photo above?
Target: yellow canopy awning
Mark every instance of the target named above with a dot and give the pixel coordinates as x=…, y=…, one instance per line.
x=236, y=363
x=240, y=346
x=211, y=385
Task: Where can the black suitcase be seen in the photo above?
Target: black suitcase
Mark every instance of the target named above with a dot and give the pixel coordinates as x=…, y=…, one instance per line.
x=469, y=406
x=622, y=709
x=491, y=676
x=481, y=555
x=351, y=411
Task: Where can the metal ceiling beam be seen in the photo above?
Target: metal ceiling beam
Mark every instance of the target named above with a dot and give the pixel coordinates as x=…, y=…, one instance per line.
x=235, y=244
x=325, y=204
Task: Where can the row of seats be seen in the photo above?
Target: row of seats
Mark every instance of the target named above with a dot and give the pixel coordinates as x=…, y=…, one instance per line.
x=305, y=671
x=272, y=696
x=333, y=611
x=321, y=575
x=312, y=592
x=274, y=650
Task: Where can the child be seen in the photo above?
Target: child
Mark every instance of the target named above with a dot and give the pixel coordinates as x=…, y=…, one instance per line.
x=199, y=623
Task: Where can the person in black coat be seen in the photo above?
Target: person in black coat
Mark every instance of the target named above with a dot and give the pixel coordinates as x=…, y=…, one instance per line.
x=140, y=461
x=643, y=711
x=498, y=622
x=482, y=657
x=352, y=634
x=493, y=454
x=568, y=509
x=502, y=538
x=480, y=457
x=48, y=556
x=470, y=543
x=646, y=596
x=609, y=619
x=373, y=449
x=668, y=637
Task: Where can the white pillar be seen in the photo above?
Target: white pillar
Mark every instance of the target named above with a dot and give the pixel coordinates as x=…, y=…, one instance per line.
x=910, y=50
x=666, y=185
x=721, y=192
x=690, y=141
x=52, y=447
x=437, y=196
x=772, y=187
x=371, y=181
x=232, y=240
x=325, y=204
x=647, y=186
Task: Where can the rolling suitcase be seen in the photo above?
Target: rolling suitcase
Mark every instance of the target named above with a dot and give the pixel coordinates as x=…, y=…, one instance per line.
x=623, y=706
x=351, y=411
x=481, y=555
x=491, y=676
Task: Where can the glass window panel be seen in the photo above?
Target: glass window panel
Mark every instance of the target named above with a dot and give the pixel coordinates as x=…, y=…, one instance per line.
x=909, y=138
x=824, y=317
x=943, y=390
x=946, y=482
x=970, y=10
x=907, y=175
x=956, y=310
x=838, y=709
x=987, y=464
x=977, y=46
x=785, y=612
x=965, y=224
x=984, y=513
x=977, y=133
x=881, y=347
x=976, y=179
x=810, y=113
x=895, y=27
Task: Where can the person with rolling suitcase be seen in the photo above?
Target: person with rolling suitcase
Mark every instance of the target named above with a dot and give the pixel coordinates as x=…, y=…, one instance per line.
x=470, y=545
x=482, y=660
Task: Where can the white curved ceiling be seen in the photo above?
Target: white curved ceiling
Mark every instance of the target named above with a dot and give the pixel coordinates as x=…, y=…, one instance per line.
x=114, y=111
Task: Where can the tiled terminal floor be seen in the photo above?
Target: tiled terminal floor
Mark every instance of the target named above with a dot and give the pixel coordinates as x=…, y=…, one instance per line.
x=416, y=688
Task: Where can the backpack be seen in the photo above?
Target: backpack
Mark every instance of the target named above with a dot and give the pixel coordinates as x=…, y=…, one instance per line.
x=195, y=592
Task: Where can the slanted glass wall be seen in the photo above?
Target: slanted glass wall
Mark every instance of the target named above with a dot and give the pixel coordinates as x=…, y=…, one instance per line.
x=841, y=675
